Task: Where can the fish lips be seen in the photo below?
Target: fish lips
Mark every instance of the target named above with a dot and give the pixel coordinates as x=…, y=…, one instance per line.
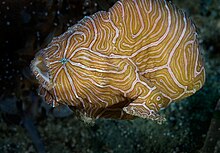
x=40, y=68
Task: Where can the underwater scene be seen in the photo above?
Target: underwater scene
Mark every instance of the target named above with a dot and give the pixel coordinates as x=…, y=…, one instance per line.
x=109, y=76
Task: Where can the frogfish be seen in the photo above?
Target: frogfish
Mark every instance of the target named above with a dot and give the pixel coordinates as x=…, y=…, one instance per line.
x=130, y=61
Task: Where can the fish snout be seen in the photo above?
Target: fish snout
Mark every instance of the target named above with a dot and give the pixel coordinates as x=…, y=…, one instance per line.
x=41, y=70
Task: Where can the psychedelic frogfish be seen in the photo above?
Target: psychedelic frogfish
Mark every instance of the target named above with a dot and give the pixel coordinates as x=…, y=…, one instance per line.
x=130, y=61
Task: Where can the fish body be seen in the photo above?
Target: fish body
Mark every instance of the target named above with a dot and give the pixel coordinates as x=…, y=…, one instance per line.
x=132, y=60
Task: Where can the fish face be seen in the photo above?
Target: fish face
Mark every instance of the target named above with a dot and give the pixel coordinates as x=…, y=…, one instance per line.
x=50, y=69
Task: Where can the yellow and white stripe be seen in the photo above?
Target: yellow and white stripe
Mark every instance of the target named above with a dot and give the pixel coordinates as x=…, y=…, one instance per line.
x=130, y=61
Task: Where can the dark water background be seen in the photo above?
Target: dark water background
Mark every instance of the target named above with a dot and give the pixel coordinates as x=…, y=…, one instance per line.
x=28, y=125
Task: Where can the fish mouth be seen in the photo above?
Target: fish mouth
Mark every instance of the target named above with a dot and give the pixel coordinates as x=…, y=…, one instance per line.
x=40, y=69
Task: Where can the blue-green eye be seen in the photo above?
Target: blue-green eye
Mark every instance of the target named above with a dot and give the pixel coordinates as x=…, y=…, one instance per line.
x=64, y=60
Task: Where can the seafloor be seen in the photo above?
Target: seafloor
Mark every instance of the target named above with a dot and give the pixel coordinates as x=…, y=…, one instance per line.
x=28, y=125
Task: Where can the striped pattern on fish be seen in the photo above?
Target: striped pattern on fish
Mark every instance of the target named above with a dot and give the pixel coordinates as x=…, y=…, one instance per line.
x=133, y=60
